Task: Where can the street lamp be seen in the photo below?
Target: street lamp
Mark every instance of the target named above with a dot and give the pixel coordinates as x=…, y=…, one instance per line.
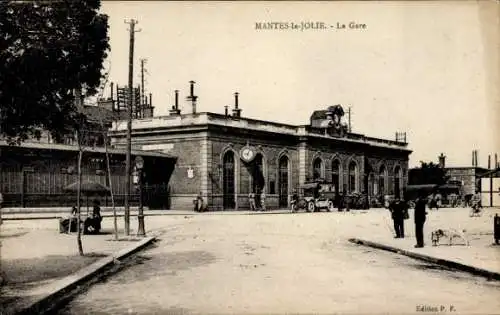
x=139, y=165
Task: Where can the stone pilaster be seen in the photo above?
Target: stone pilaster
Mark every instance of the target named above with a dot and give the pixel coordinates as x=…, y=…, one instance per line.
x=302, y=163
x=205, y=168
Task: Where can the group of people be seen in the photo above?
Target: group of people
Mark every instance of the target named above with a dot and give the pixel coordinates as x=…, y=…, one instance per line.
x=257, y=201
x=399, y=213
x=90, y=224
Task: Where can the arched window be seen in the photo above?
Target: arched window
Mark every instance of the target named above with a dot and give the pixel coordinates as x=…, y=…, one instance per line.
x=352, y=176
x=283, y=181
x=381, y=180
x=336, y=174
x=317, y=168
x=228, y=180
x=397, y=181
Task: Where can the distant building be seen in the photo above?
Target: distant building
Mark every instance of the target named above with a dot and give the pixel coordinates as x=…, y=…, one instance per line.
x=490, y=188
x=227, y=156
x=467, y=177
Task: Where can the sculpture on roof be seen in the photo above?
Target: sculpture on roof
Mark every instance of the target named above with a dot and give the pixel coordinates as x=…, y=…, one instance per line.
x=331, y=120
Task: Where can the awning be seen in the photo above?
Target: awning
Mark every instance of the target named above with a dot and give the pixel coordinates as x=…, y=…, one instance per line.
x=309, y=186
x=449, y=187
x=424, y=187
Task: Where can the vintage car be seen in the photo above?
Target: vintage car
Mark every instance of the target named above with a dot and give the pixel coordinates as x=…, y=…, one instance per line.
x=316, y=196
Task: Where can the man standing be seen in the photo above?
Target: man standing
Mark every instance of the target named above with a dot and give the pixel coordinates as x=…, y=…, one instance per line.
x=397, y=211
x=251, y=201
x=420, y=220
x=340, y=202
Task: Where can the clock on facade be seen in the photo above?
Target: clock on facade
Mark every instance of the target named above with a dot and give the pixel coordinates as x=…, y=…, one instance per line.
x=247, y=154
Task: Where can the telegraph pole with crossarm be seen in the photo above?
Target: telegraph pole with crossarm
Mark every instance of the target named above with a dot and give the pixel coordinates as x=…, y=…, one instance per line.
x=132, y=30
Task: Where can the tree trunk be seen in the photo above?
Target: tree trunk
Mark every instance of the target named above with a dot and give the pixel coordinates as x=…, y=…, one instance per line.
x=78, y=195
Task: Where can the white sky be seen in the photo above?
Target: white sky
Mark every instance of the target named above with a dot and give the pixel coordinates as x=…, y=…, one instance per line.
x=418, y=67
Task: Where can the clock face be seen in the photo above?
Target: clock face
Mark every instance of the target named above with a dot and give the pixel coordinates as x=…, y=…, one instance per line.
x=247, y=154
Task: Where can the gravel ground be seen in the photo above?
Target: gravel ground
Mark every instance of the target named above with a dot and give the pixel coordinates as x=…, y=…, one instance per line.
x=34, y=254
x=282, y=263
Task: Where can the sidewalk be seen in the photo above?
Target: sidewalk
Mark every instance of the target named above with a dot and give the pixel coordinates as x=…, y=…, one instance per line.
x=481, y=257
x=38, y=263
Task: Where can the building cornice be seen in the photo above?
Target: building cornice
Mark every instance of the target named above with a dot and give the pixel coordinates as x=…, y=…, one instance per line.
x=211, y=121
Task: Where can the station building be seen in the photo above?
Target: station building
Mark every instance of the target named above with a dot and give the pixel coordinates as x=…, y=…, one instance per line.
x=224, y=157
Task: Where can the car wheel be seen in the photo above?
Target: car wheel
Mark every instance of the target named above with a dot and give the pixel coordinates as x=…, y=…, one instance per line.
x=310, y=206
x=330, y=206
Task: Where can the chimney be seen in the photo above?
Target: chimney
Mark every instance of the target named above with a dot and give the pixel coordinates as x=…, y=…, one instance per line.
x=236, y=110
x=192, y=98
x=175, y=109
x=496, y=160
x=442, y=160
x=473, y=158
x=489, y=161
x=226, y=111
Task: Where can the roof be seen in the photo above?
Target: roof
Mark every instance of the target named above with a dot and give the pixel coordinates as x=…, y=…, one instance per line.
x=65, y=147
x=492, y=173
x=98, y=114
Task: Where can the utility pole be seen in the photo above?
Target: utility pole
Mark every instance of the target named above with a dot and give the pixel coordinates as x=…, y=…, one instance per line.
x=132, y=30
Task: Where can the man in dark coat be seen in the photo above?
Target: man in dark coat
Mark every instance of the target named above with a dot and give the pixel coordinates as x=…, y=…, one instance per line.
x=340, y=202
x=397, y=211
x=96, y=215
x=420, y=214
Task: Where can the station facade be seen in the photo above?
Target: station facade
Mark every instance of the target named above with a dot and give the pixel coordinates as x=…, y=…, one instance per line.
x=224, y=157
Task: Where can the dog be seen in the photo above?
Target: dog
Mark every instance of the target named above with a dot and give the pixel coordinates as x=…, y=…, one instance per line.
x=449, y=235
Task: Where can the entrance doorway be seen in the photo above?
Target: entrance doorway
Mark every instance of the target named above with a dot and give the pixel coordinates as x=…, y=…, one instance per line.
x=257, y=174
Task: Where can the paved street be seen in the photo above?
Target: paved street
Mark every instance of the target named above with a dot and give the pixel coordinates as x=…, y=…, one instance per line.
x=280, y=263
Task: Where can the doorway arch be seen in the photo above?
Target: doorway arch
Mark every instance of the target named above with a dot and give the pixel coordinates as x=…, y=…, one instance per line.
x=257, y=174
x=336, y=175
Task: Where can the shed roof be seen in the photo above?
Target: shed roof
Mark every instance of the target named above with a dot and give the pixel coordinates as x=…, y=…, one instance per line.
x=65, y=147
x=492, y=173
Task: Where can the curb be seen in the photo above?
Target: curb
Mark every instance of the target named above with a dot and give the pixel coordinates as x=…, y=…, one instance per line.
x=491, y=275
x=46, y=303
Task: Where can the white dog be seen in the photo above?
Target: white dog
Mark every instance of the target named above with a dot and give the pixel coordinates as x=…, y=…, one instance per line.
x=449, y=235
